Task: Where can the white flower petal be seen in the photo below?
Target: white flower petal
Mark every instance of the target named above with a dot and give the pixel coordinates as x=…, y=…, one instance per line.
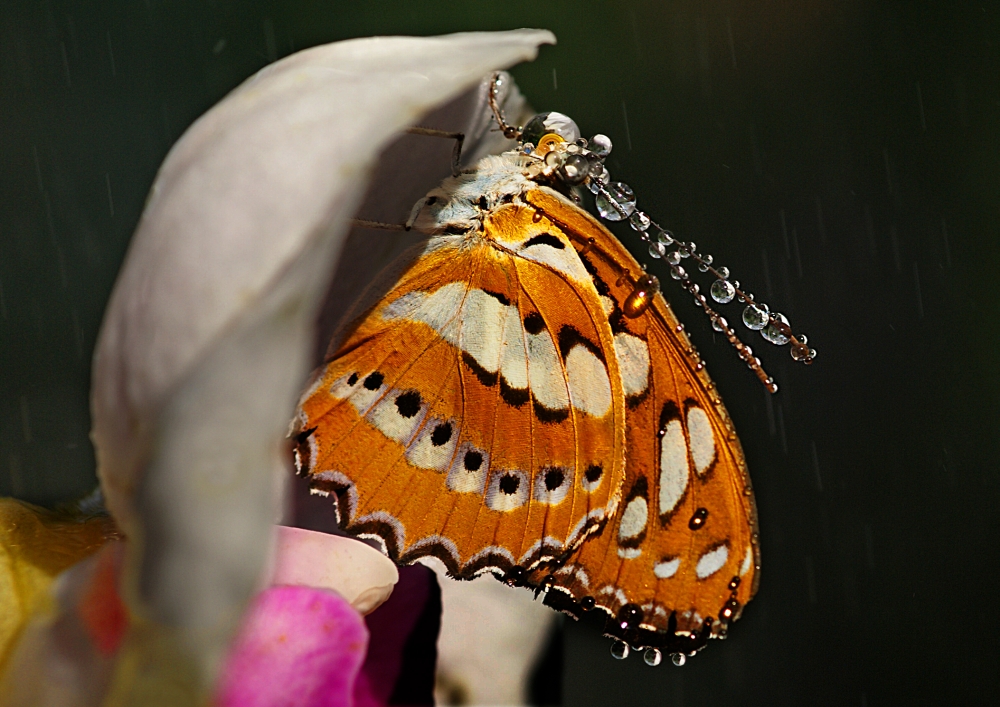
x=208, y=333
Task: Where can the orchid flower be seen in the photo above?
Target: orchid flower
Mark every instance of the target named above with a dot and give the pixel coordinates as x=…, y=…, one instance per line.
x=208, y=337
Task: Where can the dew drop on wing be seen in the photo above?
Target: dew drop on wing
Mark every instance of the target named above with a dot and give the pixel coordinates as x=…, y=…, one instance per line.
x=619, y=650
x=629, y=616
x=678, y=659
x=652, y=657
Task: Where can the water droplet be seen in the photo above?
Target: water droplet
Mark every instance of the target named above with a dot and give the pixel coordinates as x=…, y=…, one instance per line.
x=575, y=169
x=639, y=221
x=673, y=257
x=723, y=291
x=619, y=650
x=720, y=324
x=773, y=333
x=642, y=296
x=734, y=583
x=617, y=194
x=629, y=616
x=550, y=123
x=652, y=657
x=729, y=610
x=677, y=272
x=698, y=519
x=706, y=261
x=515, y=576
x=657, y=250
x=800, y=353
x=598, y=173
x=756, y=316
x=723, y=272
x=588, y=603
x=600, y=145
x=665, y=237
x=678, y=659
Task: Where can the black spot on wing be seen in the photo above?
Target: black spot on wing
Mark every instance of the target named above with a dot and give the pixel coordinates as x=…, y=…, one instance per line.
x=599, y=284
x=554, y=478
x=485, y=377
x=352, y=380
x=669, y=412
x=634, y=401
x=515, y=397
x=545, y=414
x=545, y=239
x=408, y=403
x=593, y=473
x=374, y=381
x=302, y=436
x=473, y=460
x=639, y=488
x=533, y=323
x=499, y=297
x=570, y=336
x=509, y=484
x=441, y=434
x=618, y=321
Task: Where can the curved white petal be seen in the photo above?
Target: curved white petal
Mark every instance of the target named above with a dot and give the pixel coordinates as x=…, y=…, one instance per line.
x=209, y=331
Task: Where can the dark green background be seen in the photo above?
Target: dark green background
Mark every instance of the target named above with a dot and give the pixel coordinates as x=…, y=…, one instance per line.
x=839, y=156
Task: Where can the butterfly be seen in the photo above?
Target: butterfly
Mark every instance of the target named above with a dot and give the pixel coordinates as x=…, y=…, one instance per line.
x=521, y=400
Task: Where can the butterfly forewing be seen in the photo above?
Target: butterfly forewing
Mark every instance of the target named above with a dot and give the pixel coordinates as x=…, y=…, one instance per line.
x=476, y=413
x=680, y=559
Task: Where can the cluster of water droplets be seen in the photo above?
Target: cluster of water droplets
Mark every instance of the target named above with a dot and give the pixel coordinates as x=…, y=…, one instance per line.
x=555, y=140
x=616, y=202
x=651, y=656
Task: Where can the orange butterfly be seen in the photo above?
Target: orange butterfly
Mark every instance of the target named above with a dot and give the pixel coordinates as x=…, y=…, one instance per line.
x=523, y=401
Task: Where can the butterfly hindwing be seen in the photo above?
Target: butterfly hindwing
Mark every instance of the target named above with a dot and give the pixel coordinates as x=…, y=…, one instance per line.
x=680, y=559
x=476, y=413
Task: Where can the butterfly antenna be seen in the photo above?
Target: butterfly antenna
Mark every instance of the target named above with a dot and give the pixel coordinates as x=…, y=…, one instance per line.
x=509, y=131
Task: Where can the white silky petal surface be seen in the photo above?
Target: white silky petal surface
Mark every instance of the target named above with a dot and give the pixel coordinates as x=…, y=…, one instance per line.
x=209, y=331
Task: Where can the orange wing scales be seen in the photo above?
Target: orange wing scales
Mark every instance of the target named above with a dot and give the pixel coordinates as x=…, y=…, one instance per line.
x=523, y=401
x=476, y=413
x=681, y=559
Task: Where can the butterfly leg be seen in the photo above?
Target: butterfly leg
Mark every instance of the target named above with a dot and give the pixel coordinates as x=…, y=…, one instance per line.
x=456, y=154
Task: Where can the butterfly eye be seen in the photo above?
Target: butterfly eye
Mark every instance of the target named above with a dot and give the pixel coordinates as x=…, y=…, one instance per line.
x=641, y=297
x=548, y=142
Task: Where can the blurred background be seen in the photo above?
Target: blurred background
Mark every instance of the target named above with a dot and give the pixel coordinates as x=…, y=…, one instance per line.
x=840, y=156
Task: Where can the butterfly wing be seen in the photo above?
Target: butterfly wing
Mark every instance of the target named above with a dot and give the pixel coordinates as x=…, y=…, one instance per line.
x=681, y=558
x=476, y=413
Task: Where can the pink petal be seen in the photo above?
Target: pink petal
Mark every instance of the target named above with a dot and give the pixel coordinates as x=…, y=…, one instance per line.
x=299, y=647
x=361, y=574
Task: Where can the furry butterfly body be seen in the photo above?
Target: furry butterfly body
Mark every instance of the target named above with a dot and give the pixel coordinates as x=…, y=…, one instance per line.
x=517, y=403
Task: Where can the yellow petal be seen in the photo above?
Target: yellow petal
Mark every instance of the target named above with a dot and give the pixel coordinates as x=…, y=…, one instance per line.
x=36, y=545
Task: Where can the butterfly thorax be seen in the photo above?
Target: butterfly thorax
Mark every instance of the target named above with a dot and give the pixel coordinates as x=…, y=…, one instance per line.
x=462, y=202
